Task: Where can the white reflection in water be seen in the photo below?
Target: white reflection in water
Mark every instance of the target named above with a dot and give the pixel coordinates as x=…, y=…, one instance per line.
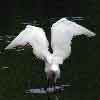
x=1, y=39
x=19, y=50
x=48, y=90
x=8, y=41
x=10, y=36
x=0, y=52
x=4, y=67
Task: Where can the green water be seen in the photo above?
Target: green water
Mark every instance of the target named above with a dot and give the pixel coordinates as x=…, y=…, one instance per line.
x=21, y=70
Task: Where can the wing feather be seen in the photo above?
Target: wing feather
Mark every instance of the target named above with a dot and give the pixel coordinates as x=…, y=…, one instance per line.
x=62, y=33
x=36, y=37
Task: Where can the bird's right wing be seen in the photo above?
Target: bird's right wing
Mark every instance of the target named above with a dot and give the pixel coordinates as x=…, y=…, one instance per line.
x=34, y=36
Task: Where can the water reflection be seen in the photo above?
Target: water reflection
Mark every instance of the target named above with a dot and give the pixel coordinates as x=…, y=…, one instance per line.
x=48, y=90
x=55, y=97
x=4, y=67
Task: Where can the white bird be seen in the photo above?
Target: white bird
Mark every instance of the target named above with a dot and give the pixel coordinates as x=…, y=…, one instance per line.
x=62, y=33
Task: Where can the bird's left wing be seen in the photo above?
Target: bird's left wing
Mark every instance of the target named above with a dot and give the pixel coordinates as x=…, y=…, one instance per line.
x=34, y=36
x=62, y=33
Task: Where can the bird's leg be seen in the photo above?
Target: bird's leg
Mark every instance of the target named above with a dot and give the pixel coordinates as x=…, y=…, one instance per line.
x=50, y=88
x=54, y=85
x=49, y=84
x=51, y=81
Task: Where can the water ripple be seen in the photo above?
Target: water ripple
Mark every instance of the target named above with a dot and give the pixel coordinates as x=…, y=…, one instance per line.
x=4, y=67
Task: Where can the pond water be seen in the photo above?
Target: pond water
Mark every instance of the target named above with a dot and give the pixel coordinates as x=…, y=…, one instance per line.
x=20, y=70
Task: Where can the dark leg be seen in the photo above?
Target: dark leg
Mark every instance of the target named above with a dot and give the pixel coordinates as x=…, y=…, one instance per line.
x=54, y=86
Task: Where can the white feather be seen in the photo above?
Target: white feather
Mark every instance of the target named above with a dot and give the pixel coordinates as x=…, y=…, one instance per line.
x=62, y=33
x=35, y=36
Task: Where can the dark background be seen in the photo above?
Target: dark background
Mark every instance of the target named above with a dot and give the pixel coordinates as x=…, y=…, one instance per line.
x=47, y=8
x=81, y=69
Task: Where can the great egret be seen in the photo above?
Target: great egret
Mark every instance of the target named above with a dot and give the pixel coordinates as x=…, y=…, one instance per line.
x=62, y=33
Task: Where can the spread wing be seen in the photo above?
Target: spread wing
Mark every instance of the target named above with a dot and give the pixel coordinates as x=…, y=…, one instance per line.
x=34, y=36
x=62, y=33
